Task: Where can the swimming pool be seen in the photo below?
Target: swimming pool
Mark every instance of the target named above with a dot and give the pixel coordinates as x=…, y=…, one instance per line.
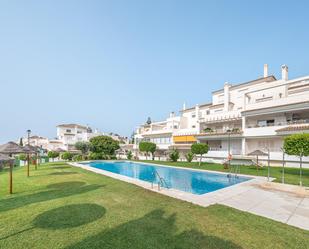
x=192, y=181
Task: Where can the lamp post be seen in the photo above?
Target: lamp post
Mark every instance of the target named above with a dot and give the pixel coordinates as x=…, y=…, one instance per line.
x=28, y=156
x=229, y=148
x=268, y=165
x=301, y=167
x=283, y=164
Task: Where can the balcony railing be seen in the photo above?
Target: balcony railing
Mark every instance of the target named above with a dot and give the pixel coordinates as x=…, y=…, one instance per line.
x=221, y=132
x=300, y=121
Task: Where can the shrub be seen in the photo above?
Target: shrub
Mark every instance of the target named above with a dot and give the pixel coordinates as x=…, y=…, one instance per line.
x=77, y=158
x=189, y=156
x=174, y=155
x=22, y=157
x=129, y=155
x=199, y=149
x=207, y=130
x=53, y=154
x=95, y=156
x=67, y=156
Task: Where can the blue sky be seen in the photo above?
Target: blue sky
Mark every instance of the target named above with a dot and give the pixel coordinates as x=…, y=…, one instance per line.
x=111, y=64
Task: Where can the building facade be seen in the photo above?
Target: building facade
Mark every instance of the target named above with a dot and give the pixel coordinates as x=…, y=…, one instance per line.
x=240, y=119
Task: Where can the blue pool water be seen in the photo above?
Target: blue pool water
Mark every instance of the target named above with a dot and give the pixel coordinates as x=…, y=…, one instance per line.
x=196, y=182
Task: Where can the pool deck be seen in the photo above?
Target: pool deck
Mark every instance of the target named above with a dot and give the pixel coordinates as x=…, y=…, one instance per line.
x=281, y=202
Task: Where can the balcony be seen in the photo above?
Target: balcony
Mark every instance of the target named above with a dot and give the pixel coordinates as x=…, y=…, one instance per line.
x=221, y=117
x=297, y=92
x=216, y=134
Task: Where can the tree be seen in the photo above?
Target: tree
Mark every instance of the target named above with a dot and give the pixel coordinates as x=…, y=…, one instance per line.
x=22, y=157
x=147, y=147
x=82, y=146
x=174, y=155
x=21, y=143
x=104, y=144
x=189, y=156
x=67, y=156
x=129, y=155
x=297, y=145
x=199, y=149
x=53, y=154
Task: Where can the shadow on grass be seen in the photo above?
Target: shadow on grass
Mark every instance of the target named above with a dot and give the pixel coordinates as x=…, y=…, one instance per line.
x=65, y=217
x=58, y=190
x=153, y=231
x=69, y=216
x=295, y=171
x=63, y=173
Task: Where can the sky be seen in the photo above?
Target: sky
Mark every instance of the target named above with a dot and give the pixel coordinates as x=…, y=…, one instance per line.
x=111, y=64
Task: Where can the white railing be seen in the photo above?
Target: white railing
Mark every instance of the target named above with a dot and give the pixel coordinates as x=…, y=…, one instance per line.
x=227, y=116
x=301, y=121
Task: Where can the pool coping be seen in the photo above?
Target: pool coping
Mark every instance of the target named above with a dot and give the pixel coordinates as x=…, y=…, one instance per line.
x=202, y=199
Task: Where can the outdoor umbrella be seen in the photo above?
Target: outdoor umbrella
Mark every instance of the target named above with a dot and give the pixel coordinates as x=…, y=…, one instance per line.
x=257, y=153
x=29, y=149
x=60, y=150
x=9, y=149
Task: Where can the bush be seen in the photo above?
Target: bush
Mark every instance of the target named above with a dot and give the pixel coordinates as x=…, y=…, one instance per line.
x=53, y=154
x=22, y=157
x=174, y=155
x=189, y=156
x=95, y=156
x=67, y=156
x=77, y=158
x=129, y=155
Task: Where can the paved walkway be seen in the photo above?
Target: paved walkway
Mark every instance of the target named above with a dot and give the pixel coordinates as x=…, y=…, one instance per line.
x=255, y=196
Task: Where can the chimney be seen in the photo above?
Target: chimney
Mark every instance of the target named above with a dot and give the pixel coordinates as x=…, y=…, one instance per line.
x=284, y=72
x=265, y=70
x=172, y=114
x=184, y=106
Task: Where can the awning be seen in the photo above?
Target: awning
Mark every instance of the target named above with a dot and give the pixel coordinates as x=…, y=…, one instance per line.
x=184, y=139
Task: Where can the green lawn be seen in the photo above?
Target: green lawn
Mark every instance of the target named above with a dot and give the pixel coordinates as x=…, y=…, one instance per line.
x=291, y=174
x=59, y=206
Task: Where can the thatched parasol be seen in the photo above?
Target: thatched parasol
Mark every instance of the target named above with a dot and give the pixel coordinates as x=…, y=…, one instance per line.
x=60, y=150
x=5, y=158
x=9, y=149
x=257, y=153
x=30, y=149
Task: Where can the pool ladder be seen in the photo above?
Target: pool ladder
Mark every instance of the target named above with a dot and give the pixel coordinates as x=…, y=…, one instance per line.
x=236, y=171
x=161, y=181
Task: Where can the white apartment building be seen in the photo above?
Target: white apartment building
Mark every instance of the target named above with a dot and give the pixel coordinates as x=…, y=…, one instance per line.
x=241, y=118
x=69, y=134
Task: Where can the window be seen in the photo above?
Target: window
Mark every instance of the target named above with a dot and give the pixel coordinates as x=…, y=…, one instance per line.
x=193, y=126
x=207, y=112
x=68, y=130
x=263, y=123
x=175, y=127
x=193, y=115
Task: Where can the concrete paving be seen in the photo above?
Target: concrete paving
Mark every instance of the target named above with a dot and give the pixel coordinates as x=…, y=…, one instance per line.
x=284, y=203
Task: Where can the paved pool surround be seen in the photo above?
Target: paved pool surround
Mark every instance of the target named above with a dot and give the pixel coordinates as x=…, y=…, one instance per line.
x=281, y=203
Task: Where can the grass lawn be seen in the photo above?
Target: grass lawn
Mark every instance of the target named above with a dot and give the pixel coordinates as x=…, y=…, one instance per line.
x=60, y=206
x=291, y=174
